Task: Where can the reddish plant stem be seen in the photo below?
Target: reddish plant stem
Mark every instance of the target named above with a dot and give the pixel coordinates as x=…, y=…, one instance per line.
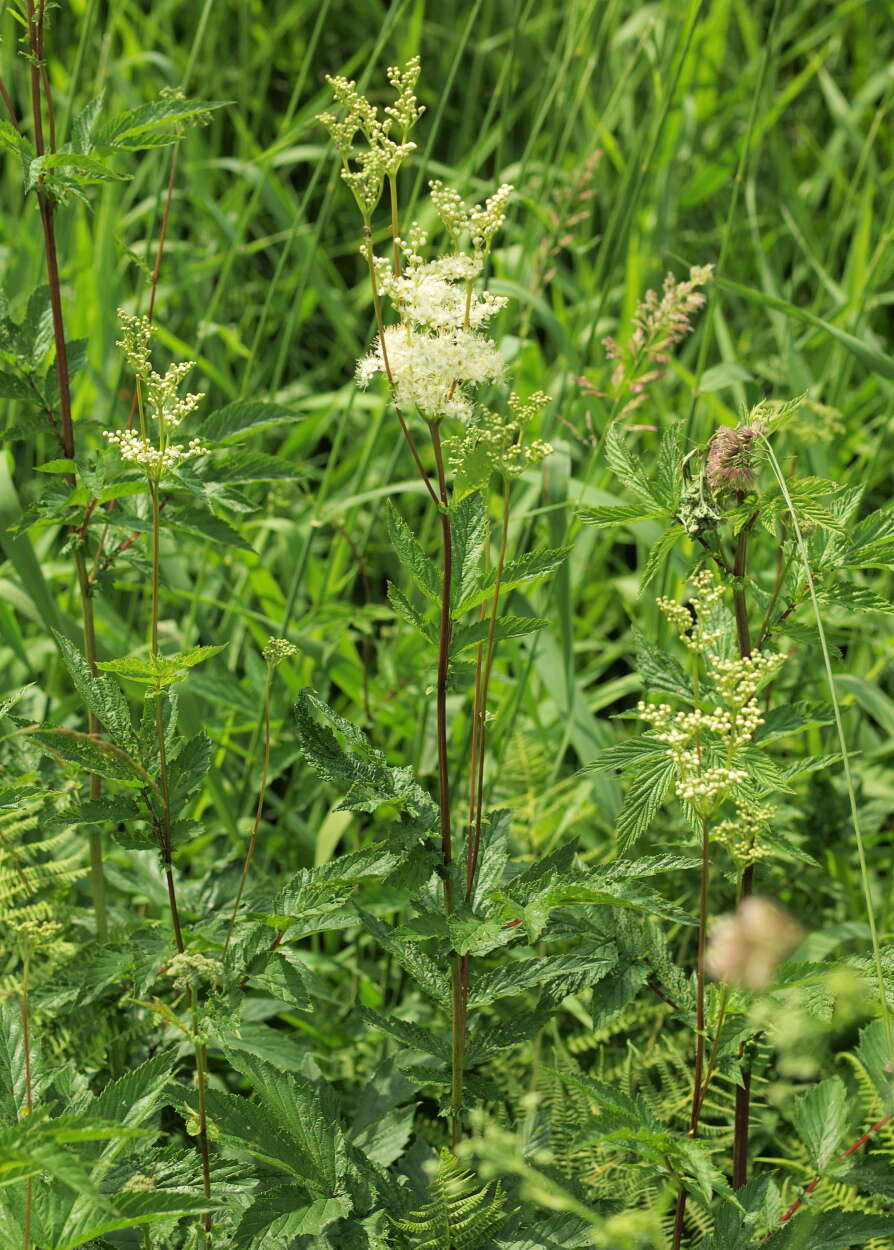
x=66, y=435
x=697, y=1090
x=808, y=1189
x=743, y=1092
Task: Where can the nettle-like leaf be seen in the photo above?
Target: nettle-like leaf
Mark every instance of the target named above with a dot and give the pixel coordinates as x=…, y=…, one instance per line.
x=161, y=670
x=301, y=1128
x=282, y=1213
x=469, y=528
x=820, y=1117
x=100, y=694
x=459, y=1216
x=411, y=556
x=362, y=770
x=245, y=416
x=152, y=125
x=91, y=755
x=527, y=568
x=424, y=971
x=629, y=470
x=473, y=633
x=610, y=515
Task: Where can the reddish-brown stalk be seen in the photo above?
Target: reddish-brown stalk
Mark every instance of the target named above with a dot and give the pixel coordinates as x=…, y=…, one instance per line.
x=40, y=86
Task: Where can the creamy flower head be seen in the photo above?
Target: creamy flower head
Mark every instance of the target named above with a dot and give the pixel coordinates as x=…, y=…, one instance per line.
x=429, y=371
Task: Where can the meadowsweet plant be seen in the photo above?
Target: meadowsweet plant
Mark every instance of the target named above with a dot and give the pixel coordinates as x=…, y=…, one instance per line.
x=444, y=765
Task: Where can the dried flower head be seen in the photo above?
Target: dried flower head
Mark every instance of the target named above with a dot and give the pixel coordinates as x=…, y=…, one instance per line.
x=745, y=948
x=729, y=465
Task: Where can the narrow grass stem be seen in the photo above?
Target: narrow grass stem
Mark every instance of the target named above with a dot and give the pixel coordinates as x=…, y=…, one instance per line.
x=845, y=755
x=457, y=1024
x=202, y=1088
x=262, y=790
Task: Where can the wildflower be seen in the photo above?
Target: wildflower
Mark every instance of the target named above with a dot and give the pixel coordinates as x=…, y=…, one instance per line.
x=494, y=444
x=163, y=405
x=658, y=325
x=430, y=370
x=155, y=460
x=745, y=948
x=729, y=465
x=189, y=968
x=277, y=650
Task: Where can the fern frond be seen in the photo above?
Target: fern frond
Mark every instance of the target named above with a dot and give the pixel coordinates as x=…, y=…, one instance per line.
x=460, y=1215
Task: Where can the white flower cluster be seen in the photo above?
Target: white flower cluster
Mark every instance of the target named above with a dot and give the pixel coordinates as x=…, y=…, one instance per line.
x=155, y=460
x=430, y=371
x=427, y=296
x=190, y=968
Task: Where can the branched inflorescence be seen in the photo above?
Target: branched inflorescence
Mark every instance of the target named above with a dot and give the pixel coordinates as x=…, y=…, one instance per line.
x=165, y=407
x=704, y=742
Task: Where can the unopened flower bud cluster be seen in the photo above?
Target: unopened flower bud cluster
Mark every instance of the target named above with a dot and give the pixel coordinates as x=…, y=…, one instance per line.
x=698, y=739
x=741, y=834
x=188, y=969
x=278, y=649
x=708, y=627
x=165, y=406
x=499, y=438
x=383, y=154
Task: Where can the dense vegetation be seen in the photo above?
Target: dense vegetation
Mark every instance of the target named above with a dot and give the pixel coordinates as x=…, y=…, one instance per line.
x=445, y=799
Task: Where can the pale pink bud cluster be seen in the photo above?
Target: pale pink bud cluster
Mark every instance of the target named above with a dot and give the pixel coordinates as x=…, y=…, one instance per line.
x=745, y=948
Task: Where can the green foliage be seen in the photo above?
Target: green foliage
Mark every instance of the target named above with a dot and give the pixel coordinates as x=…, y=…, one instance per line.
x=459, y=1216
x=274, y=939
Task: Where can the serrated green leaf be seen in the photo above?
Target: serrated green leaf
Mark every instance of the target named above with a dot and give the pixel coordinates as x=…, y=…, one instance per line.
x=234, y=421
x=423, y=572
x=820, y=1117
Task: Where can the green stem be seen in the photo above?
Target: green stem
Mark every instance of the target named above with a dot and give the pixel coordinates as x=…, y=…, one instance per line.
x=262, y=790
x=202, y=1086
x=29, y=1093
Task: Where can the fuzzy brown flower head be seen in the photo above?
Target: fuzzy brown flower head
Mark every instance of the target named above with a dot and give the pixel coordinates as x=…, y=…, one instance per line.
x=745, y=948
x=729, y=465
